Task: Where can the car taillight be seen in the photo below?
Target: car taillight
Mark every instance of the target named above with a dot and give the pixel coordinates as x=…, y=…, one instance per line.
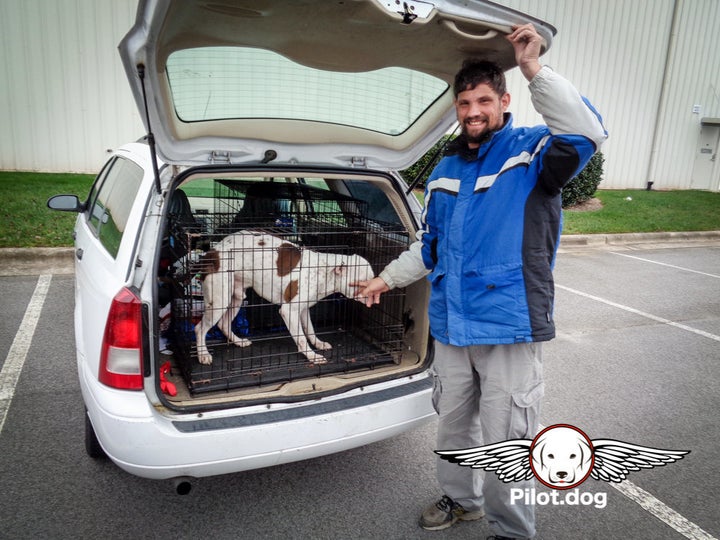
x=121, y=358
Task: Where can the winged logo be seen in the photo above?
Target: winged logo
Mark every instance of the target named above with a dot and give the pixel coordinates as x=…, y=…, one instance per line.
x=562, y=457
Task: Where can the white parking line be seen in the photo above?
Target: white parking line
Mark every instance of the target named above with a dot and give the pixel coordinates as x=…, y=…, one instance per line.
x=663, y=512
x=15, y=359
x=641, y=313
x=666, y=264
x=646, y=500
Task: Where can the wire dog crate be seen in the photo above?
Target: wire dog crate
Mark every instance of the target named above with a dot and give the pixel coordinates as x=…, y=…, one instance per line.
x=311, y=218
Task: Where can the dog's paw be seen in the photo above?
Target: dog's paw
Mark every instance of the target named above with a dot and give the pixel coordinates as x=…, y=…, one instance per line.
x=315, y=358
x=205, y=358
x=322, y=345
x=241, y=342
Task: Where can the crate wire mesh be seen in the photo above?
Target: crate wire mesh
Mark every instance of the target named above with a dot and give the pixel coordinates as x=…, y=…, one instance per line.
x=311, y=218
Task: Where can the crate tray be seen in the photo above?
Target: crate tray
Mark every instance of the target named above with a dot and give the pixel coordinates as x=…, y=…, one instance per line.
x=274, y=359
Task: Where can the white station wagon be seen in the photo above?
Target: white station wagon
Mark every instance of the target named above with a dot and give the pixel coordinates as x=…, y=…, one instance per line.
x=265, y=117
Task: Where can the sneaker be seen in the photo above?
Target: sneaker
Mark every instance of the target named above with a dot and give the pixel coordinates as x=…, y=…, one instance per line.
x=445, y=513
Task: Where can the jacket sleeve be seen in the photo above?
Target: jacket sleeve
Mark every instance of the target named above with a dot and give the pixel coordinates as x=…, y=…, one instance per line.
x=407, y=268
x=564, y=110
x=576, y=128
x=417, y=261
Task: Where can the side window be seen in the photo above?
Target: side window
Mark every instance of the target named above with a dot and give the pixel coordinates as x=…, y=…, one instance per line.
x=379, y=206
x=111, y=200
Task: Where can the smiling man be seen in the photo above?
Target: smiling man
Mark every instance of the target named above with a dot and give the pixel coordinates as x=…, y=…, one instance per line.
x=490, y=231
x=480, y=101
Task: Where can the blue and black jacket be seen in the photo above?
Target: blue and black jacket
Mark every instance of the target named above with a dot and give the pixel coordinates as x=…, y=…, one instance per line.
x=492, y=222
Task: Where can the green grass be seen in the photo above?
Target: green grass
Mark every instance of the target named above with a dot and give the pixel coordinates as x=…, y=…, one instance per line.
x=25, y=220
x=626, y=211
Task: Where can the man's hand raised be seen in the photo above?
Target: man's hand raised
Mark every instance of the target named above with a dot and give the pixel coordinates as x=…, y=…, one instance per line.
x=527, y=44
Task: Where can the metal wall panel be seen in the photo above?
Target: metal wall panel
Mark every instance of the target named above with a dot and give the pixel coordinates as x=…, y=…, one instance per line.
x=693, y=79
x=65, y=98
x=614, y=53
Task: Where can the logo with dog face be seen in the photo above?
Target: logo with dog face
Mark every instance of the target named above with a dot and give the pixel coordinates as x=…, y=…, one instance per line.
x=562, y=457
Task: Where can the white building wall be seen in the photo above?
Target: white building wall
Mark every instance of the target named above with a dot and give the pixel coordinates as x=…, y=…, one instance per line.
x=643, y=73
x=693, y=79
x=65, y=99
x=63, y=93
x=614, y=53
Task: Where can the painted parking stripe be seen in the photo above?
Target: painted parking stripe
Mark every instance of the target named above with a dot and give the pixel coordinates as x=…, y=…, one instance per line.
x=659, y=509
x=663, y=512
x=641, y=313
x=666, y=264
x=646, y=500
x=15, y=359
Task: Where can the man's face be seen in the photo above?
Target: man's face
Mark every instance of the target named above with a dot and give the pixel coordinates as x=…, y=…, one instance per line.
x=480, y=111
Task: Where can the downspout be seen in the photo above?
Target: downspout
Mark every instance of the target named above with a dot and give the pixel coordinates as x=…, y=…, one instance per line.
x=662, y=102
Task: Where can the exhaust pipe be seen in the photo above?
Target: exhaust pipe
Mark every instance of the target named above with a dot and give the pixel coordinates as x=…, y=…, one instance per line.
x=183, y=484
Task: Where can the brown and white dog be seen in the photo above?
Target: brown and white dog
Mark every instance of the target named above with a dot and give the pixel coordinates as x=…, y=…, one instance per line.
x=279, y=272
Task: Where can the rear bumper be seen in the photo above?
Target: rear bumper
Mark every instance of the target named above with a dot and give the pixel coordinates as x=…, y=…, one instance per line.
x=152, y=444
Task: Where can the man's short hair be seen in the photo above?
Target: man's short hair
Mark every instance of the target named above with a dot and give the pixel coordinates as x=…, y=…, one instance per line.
x=475, y=71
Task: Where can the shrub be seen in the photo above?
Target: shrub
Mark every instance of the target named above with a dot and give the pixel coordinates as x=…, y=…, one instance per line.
x=583, y=187
x=429, y=160
x=580, y=189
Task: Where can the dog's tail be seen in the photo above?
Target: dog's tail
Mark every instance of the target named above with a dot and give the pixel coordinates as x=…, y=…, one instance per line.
x=208, y=263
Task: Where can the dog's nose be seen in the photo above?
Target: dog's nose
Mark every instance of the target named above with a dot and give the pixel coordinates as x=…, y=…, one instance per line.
x=561, y=474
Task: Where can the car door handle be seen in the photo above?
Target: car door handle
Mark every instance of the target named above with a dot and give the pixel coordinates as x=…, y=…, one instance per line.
x=79, y=253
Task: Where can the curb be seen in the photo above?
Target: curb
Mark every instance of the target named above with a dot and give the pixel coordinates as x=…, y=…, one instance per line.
x=600, y=240
x=44, y=260
x=36, y=261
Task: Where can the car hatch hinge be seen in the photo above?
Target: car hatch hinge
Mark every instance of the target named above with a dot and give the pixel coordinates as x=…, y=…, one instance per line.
x=407, y=15
x=359, y=162
x=409, y=10
x=219, y=156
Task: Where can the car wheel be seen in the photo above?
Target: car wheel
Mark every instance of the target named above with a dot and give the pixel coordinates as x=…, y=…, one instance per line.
x=92, y=445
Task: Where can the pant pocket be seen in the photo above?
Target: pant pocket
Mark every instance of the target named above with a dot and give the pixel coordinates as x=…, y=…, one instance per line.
x=436, y=391
x=525, y=412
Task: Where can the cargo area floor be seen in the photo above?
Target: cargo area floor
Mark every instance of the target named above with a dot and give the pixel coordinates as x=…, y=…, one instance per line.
x=275, y=359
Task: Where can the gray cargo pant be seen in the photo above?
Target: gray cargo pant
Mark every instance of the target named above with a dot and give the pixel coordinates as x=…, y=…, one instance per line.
x=486, y=394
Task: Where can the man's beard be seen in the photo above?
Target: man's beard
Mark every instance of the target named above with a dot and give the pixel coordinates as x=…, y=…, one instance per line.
x=480, y=137
x=486, y=134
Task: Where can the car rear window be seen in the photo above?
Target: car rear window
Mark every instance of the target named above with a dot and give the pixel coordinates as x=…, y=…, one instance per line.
x=215, y=83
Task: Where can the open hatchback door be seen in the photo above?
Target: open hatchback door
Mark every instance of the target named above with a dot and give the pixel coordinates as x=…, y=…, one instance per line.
x=331, y=82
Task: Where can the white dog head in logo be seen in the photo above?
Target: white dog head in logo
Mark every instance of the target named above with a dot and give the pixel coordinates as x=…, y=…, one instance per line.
x=562, y=456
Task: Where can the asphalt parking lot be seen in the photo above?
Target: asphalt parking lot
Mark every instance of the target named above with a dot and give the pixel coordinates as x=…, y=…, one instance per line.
x=637, y=359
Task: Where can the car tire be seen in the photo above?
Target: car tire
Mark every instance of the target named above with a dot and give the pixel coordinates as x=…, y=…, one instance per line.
x=92, y=445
